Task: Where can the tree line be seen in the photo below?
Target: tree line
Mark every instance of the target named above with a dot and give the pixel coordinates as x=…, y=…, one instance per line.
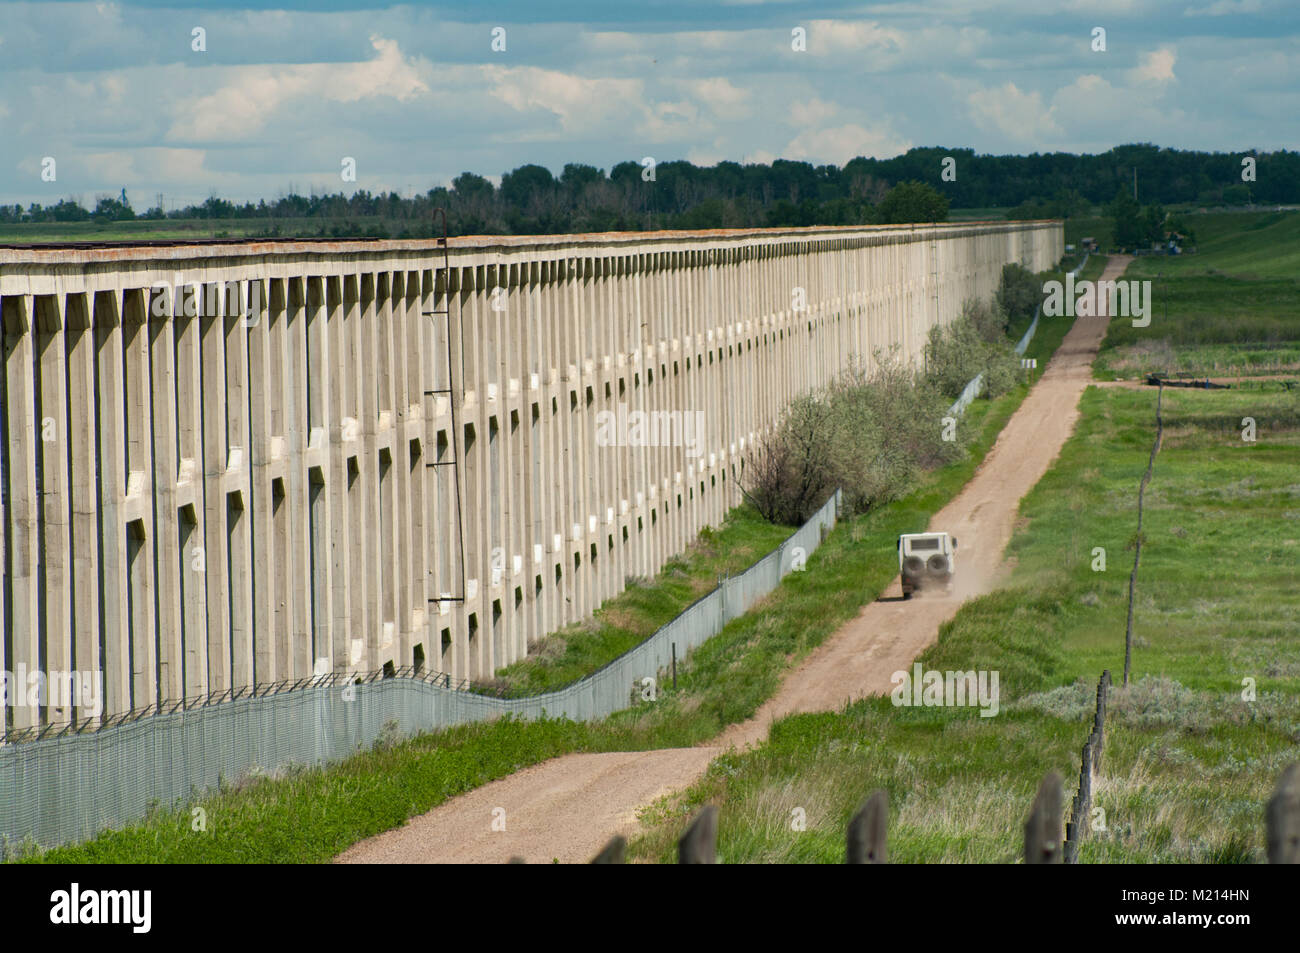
x=919, y=185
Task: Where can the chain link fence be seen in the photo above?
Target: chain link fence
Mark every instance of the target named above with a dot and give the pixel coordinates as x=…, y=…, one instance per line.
x=68, y=787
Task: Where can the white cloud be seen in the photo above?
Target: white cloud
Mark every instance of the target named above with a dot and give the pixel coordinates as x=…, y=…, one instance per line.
x=720, y=96
x=840, y=144
x=1225, y=8
x=579, y=102
x=1020, y=116
x=708, y=156
x=812, y=112
x=1157, y=67
x=849, y=36
x=243, y=106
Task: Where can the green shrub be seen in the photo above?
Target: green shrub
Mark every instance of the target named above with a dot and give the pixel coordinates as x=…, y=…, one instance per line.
x=1019, y=293
x=956, y=353
x=870, y=433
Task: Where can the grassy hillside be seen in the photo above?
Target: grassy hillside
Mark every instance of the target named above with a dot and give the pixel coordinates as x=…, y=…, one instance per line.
x=1239, y=244
x=1233, y=308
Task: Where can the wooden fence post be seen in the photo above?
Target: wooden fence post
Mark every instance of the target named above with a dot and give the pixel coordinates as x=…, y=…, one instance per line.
x=612, y=853
x=868, y=832
x=1283, y=817
x=1081, y=807
x=699, y=844
x=1137, y=550
x=1099, y=719
x=1043, y=828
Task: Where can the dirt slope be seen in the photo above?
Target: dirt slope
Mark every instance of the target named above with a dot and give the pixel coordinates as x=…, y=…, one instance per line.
x=568, y=808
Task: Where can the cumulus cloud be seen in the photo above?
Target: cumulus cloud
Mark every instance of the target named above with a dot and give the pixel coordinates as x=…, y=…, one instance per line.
x=1225, y=8
x=849, y=36
x=1020, y=116
x=812, y=112
x=721, y=96
x=579, y=102
x=1156, y=67
x=242, y=107
x=841, y=143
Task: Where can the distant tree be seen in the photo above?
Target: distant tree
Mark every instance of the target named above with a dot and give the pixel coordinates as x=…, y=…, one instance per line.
x=1019, y=293
x=1153, y=223
x=1125, y=213
x=112, y=210
x=1176, y=225
x=216, y=207
x=65, y=211
x=527, y=184
x=1238, y=194
x=576, y=177
x=469, y=186
x=913, y=202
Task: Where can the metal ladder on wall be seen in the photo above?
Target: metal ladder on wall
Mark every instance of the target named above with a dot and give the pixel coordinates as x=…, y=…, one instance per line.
x=454, y=462
x=934, y=270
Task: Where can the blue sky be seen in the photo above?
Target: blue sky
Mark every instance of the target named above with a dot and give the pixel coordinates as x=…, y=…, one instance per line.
x=416, y=94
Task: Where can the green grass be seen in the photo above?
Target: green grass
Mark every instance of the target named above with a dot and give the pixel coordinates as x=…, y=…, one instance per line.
x=310, y=815
x=635, y=614
x=1253, y=245
x=1208, y=324
x=1232, y=309
x=1188, y=764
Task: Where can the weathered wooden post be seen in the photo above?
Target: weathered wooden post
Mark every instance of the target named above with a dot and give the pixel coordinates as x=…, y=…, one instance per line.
x=1283, y=817
x=1082, y=806
x=1099, y=720
x=1043, y=828
x=868, y=832
x=699, y=844
x=613, y=852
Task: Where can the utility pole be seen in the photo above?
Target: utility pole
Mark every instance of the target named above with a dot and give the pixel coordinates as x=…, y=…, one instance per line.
x=1135, y=183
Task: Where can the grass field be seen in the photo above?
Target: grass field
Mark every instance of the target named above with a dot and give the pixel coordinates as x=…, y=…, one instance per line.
x=1188, y=763
x=1229, y=310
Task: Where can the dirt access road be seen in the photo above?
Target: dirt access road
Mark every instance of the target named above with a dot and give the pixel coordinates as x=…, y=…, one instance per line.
x=568, y=808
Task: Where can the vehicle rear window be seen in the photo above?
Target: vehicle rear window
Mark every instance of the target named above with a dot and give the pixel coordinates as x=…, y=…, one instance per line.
x=932, y=543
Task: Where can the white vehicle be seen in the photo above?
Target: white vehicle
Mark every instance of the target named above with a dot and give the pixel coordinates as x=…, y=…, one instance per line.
x=926, y=561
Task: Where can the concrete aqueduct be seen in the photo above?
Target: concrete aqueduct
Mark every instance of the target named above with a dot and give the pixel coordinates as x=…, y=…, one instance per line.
x=231, y=464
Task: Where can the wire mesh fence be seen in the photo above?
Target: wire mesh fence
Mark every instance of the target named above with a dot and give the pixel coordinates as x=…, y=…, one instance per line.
x=65, y=786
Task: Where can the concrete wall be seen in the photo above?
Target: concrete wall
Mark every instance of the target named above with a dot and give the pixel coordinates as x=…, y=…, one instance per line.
x=229, y=464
